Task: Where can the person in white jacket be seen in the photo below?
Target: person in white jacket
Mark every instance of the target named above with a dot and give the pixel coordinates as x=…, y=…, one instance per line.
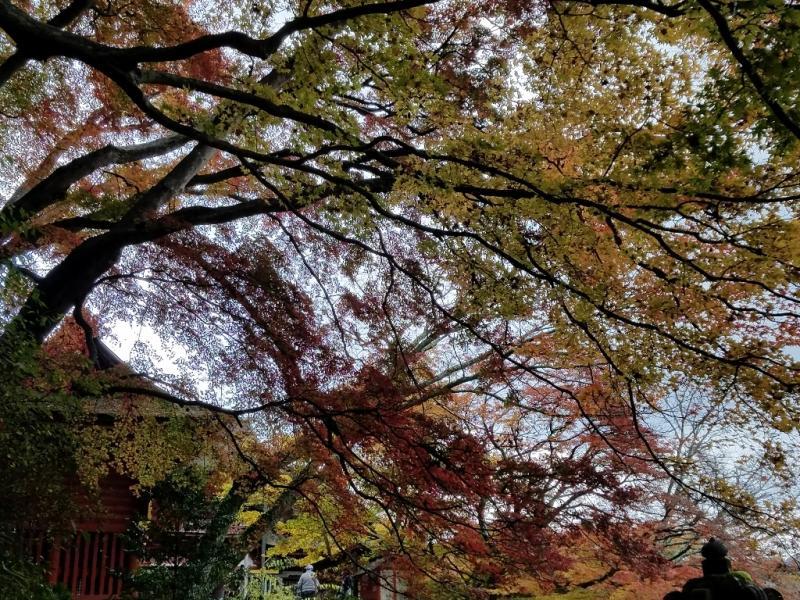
x=308, y=585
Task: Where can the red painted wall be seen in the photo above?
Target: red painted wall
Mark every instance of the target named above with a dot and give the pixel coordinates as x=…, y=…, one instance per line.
x=371, y=587
x=90, y=563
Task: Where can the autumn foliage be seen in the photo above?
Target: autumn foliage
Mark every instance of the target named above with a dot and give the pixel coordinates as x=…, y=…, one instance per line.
x=505, y=292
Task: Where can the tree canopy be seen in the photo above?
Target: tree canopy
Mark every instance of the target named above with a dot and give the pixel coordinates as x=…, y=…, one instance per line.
x=486, y=282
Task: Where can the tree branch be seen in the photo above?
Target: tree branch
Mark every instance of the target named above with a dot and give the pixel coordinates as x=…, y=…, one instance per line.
x=749, y=69
x=64, y=18
x=53, y=188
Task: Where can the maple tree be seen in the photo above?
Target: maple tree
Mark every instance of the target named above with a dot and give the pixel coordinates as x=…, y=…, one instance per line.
x=459, y=259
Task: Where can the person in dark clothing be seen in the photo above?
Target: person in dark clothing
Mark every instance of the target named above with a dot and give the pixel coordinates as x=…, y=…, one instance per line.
x=718, y=581
x=347, y=587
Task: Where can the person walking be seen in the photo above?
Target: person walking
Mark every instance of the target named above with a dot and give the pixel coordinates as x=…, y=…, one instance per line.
x=347, y=589
x=308, y=584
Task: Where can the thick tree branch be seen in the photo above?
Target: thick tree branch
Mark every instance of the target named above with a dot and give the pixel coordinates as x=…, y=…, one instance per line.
x=144, y=205
x=670, y=10
x=64, y=18
x=250, y=99
x=25, y=30
x=217, y=176
x=261, y=48
x=88, y=332
x=54, y=187
x=156, y=392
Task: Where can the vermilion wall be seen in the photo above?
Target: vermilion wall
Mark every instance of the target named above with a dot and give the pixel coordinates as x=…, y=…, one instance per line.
x=90, y=563
x=370, y=587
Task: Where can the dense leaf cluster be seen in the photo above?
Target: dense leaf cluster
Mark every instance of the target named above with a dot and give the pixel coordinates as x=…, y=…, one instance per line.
x=473, y=284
